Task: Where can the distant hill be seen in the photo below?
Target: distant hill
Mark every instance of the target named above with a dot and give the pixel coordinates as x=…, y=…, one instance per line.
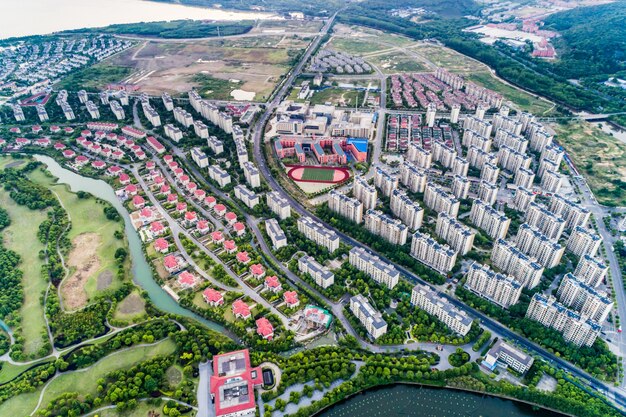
x=593, y=40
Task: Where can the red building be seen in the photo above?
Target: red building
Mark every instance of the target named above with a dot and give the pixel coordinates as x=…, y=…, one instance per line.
x=233, y=383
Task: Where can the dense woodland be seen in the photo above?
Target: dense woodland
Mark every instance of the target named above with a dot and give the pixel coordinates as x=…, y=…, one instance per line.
x=175, y=29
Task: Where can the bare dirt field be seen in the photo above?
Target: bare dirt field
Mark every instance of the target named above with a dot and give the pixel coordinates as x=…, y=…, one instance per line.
x=84, y=262
x=131, y=305
x=256, y=63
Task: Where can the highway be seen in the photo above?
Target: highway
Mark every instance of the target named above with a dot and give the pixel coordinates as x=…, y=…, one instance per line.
x=615, y=394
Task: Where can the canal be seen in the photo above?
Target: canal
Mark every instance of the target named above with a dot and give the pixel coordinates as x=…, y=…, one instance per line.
x=142, y=273
x=419, y=401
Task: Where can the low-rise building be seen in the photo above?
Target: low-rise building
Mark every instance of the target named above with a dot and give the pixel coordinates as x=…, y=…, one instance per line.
x=275, y=233
x=247, y=196
x=505, y=354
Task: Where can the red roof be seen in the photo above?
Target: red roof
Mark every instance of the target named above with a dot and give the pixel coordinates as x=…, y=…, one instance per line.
x=146, y=213
x=186, y=279
x=257, y=269
x=241, y=309
x=130, y=188
x=230, y=245
x=168, y=157
x=250, y=376
x=217, y=236
x=156, y=227
x=191, y=186
x=172, y=197
x=219, y=208
x=124, y=178
x=68, y=153
x=190, y=216
x=161, y=244
x=138, y=201
x=213, y=296
x=59, y=146
x=239, y=227
x=150, y=165
x=98, y=164
x=182, y=206
x=82, y=159
x=291, y=297
x=170, y=262
x=114, y=169
x=264, y=328
x=272, y=282
x=199, y=194
x=165, y=189
x=209, y=200
x=243, y=257
x=184, y=178
x=202, y=225
x=230, y=216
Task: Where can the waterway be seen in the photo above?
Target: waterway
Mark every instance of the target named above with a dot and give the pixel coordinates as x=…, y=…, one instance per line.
x=142, y=273
x=417, y=401
x=39, y=17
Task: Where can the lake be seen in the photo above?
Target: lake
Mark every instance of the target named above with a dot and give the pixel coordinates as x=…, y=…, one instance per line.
x=417, y=401
x=39, y=17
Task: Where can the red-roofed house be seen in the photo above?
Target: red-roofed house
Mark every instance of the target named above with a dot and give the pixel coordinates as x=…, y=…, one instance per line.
x=257, y=271
x=181, y=207
x=220, y=209
x=81, y=161
x=184, y=179
x=36, y=129
x=159, y=180
x=150, y=165
x=291, y=299
x=98, y=164
x=231, y=218
x=230, y=246
x=68, y=153
x=239, y=228
x=125, y=179
x=138, y=202
x=172, y=198
x=59, y=146
x=15, y=130
x=217, y=237
x=243, y=257
x=55, y=129
x=86, y=133
x=161, y=245
x=212, y=297
x=210, y=201
x=43, y=142
x=186, y=279
x=168, y=158
x=199, y=194
x=157, y=228
x=165, y=189
x=273, y=284
x=114, y=170
x=147, y=214
x=68, y=130
x=241, y=310
x=130, y=189
x=202, y=226
x=172, y=263
x=191, y=218
x=191, y=187
x=178, y=173
x=232, y=384
x=264, y=328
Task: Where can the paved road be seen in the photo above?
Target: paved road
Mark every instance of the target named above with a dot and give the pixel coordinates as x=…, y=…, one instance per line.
x=205, y=408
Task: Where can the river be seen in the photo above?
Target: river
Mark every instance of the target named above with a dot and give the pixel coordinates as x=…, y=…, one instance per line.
x=39, y=17
x=142, y=273
x=417, y=401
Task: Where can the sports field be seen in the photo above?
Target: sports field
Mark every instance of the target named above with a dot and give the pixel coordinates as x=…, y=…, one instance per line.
x=312, y=174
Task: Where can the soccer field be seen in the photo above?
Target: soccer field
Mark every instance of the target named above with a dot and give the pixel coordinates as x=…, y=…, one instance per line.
x=312, y=174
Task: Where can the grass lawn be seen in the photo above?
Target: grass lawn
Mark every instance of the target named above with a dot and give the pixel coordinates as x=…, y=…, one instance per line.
x=94, y=78
x=131, y=308
x=84, y=382
x=355, y=46
x=8, y=160
x=524, y=100
x=318, y=174
x=448, y=58
x=214, y=88
x=21, y=237
x=88, y=217
x=599, y=157
x=142, y=410
x=10, y=371
x=338, y=97
x=394, y=62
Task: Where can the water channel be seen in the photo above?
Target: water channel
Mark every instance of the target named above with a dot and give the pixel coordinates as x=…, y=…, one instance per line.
x=417, y=401
x=142, y=274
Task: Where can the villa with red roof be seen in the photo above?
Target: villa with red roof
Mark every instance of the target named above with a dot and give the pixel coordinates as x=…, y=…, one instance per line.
x=210, y=201
x=184, y=179
x=81, y=160
x=130, y=189
x=168, y=158
x=231, y=218
x=59, y=146
x=186, y=279
x=157, y=228
x=199, y=194
x=161, y=245
x=257, y=271
x=98, y=164
x=239, y=228
x=165, y=189
x=155, y=144
x=191, y=187
x=220, y=209
x=181, y=207
x=172, y=198
x=86, y=133
x=264, y=328
x=273, y=284
x=133, y=133
x=55, y=129
x=68, y=153
x=191, y=218
x=159, y=180
x=43, y=142
x=243, y=257
x=68, y=130
x=15, y=130
x=217, y=237
x=230, y=246
x=138, y=202
x=150, y=165
x=178, y=173
x=202, y=226
x=241, y=310
x=114, y=170
x=172, y=263
x=125, y=179
x=36, y=129
x=212, y=297
x=291, y=299
x=232, y=384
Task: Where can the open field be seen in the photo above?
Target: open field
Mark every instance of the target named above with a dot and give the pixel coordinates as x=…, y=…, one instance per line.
x=338, y=97
x=10, y=371
x=355, y=46
x=21, y=237
x=131, y=308
x=85, y=381
x=525, y=101
x=93, y=255
x=395, y=62
x=599, y=157
x=253, y=64
x=265, y=26
x=365, y=34
x=448, y=58
x=94, y=78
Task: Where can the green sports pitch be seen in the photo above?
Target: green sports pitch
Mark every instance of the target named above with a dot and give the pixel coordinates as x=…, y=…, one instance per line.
x=313, y=174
